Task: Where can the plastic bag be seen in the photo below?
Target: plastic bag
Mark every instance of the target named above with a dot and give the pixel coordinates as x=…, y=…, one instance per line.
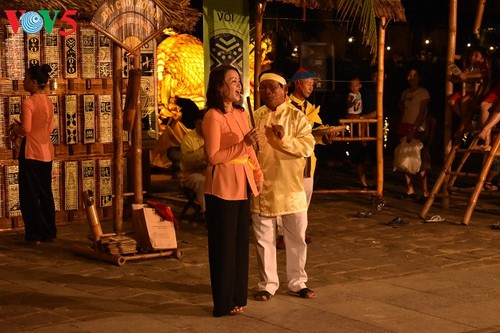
x=407, y=156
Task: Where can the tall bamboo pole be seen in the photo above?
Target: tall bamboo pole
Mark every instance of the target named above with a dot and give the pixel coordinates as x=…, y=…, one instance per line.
x=137, y=147
x=380, y=106
x=259, y=17
x=450, y=59
x=479, y=17
x=117, y=141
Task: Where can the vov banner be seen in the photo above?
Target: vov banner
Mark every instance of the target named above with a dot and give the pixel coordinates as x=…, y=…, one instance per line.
x=226, y=37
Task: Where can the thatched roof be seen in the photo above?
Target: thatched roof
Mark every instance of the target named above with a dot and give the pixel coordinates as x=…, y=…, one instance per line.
x=178, y=12
x=312, y=4
x=365, y=10
x=390, y=9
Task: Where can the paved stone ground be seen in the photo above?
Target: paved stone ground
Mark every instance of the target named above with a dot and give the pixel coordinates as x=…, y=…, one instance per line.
x=369, y=277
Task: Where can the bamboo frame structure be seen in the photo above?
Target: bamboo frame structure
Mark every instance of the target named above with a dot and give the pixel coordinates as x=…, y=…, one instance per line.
x=444, y=189
x=385, y=10
x=444, y=184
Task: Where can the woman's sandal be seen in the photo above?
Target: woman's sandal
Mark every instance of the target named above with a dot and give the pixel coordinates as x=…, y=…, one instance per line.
x=262, y=296
x=397, y=221
x=236, y=311
x=435, y=218
x=495, y=226
x=364, y=213
x=407, y=196
x=303, y=293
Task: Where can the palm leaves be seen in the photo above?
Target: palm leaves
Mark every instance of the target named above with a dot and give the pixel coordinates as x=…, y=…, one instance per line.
x=364, y=10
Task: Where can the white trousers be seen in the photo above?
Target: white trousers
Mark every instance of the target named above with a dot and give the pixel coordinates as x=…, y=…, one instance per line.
x=294, y=233
x=308, y=187
x=196, y=182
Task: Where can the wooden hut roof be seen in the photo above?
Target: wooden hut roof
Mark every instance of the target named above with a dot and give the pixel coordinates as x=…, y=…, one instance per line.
x=179, y=12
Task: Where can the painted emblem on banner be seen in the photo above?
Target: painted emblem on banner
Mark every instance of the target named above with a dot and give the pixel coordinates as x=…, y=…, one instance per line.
x=226, y=48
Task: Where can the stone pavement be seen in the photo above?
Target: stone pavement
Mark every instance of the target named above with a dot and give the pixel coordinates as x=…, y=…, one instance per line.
x=369, y=277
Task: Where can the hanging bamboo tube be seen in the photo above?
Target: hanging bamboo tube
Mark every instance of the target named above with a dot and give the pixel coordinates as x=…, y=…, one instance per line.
x=132, y=98
x=117, y=141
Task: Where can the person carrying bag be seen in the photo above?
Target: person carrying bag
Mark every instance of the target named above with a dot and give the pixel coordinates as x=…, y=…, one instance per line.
x=407, y=156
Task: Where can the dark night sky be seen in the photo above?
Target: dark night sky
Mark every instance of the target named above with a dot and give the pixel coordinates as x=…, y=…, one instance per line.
x=434, y=13
x=423, y=13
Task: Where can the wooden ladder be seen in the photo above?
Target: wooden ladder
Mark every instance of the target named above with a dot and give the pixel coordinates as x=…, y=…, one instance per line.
x=447, y=177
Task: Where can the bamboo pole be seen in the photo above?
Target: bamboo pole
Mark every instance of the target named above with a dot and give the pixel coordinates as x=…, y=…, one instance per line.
x=476, y=30
x=437, y=185
x=448, y=114
x=259, y=17
x=131, y=98
x=480, y=182
x=89, y=252
x=450, y=59
x=152, y=255
x=380, y=107
x=137, y=147
x=117, y=141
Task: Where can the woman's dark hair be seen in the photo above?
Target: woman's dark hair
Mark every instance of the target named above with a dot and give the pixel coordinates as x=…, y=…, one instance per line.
x=40, y=74
x=189, y=110
x=215, y=83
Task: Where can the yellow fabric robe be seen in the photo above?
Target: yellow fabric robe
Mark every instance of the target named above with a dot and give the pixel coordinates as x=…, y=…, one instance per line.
x=312, y=113
x=282, y=161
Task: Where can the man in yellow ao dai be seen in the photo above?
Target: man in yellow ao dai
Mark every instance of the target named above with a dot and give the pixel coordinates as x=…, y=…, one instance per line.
x=286, y=141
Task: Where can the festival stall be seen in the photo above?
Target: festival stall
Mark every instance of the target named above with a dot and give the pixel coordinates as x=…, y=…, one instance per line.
x=87, y=85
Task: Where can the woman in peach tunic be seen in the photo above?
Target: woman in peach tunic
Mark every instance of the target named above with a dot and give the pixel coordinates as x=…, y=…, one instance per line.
x=233, y=175
x=35, y=158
